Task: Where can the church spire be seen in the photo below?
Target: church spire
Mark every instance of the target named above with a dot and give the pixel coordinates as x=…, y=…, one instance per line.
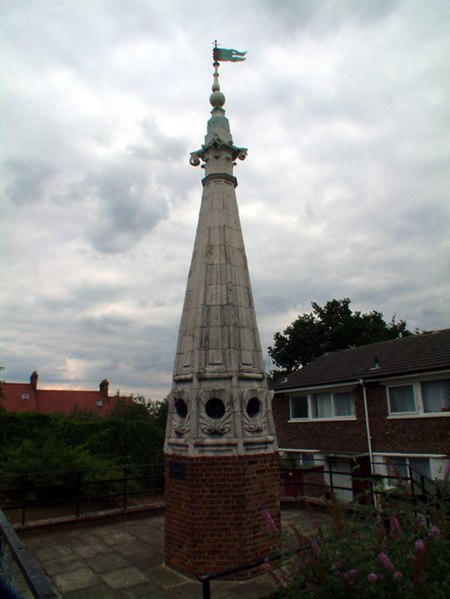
x=219, y=395
x=220, y=446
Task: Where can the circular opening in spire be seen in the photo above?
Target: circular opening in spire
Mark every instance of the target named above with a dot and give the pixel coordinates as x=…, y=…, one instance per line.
x=181, y=408
x=253, y=407
x=215, y=408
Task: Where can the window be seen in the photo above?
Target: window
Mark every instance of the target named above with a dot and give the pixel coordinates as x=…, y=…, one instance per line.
x=401, y=399
x=25, y=396
x=323, y=406
x=436, y=396
x=402, y=469
x=300, y=459
x=421, y=398
x=344, y=404
x=99, y=403
x=299, y=407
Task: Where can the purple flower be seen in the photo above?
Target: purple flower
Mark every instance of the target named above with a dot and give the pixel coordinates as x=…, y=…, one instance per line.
x=385, y=561
x=351, y=574
x=435, y=531
x=420, y=546
x=270, y=522
x=395, y=527
x=397, y=575
x=372, y=577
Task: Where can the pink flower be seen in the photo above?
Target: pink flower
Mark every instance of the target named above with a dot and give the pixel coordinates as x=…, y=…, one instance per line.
x=435, y=531
x=351, y=574
x=385, y=561
x=395, y=527
x=397, y=575
x=372, y=577
x=286, y=578
x=267, y=566
x=315, y=548
x=420, y=546
x=447, y=471
x=270, y=522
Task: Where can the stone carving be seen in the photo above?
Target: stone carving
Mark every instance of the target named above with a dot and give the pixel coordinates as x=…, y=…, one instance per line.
x=181, y=425
x=220, y=426
x=254, y=425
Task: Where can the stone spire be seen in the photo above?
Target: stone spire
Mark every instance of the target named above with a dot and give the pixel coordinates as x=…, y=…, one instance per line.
x=220, y=402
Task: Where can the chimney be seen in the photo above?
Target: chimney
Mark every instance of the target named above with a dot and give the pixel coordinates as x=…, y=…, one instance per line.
x=34, y=380
x=104, y=388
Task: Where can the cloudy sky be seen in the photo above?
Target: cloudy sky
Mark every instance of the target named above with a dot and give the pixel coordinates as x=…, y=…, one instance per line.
x=343, y=105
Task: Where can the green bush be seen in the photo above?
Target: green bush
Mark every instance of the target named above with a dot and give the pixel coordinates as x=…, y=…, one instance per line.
x=48, y=450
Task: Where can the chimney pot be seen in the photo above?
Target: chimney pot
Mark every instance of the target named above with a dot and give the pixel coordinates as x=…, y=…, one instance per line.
x=104, y=387
x=34, y=380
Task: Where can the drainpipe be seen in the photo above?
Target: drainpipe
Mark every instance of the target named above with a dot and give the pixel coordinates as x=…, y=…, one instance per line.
x=368, y=435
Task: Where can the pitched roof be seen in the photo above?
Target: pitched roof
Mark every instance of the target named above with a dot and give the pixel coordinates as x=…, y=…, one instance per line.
x=21, y=397
x=406, y=355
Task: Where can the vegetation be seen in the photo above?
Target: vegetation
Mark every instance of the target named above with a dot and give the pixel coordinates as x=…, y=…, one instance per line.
x=400, y=550
x=32, y=444
x=331, y=327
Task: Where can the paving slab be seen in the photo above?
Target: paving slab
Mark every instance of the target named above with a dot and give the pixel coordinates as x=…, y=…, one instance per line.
x=75, y=579
x=124, y=559
x=123, y=578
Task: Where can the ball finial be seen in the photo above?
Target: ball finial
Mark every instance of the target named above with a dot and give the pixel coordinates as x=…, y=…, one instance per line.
x=217, y=99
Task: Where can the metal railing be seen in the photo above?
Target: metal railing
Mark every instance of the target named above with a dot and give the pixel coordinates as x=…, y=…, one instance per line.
x=206, y=579
x=32, y=574
x=361, y=482
x=101, y=489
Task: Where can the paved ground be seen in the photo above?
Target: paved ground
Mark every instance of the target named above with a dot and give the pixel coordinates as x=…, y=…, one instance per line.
x=124, y=559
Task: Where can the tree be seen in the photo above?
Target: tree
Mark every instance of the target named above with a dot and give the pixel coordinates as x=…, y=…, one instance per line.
x=331, y=327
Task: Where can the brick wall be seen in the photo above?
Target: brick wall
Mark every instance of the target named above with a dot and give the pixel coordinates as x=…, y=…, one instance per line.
x=347, y=435
x=213, y=508
x=403, y=435
x=424, y=434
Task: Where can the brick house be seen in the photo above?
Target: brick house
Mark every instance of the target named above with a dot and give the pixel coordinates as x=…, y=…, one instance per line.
x=386, y=403
x=27, y=397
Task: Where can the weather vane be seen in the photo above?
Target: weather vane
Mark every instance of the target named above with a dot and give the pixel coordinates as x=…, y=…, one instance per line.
x=226, y=54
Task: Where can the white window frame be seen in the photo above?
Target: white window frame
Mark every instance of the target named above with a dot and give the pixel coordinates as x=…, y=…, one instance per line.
x=414, y=390
x=311, y=398
x=419, y=410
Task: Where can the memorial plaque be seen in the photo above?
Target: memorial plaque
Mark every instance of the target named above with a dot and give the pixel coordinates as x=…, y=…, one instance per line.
x=176, y=470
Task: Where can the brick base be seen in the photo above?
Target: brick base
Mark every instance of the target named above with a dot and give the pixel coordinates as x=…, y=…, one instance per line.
x=213, y=509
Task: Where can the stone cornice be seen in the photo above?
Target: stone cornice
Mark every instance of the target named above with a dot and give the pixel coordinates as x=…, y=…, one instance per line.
x=217, y=143
x=224, y=176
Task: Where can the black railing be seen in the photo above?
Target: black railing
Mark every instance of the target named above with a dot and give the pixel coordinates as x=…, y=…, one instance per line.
x=95, y=490
x=207, y=578
x=34, y=578
x=364, y=483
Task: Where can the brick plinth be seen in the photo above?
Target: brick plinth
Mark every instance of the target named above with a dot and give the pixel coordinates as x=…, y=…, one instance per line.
x=213, y=509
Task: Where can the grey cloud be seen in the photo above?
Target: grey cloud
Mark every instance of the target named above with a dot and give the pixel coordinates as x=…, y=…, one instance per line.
x=105, y=324
x=128, y=206
x=155, y=145
x=28, y=180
